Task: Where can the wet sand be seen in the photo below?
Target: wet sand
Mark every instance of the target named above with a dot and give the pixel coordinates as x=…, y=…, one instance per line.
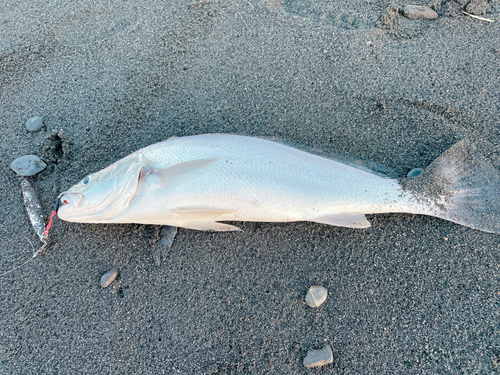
x=411, y=294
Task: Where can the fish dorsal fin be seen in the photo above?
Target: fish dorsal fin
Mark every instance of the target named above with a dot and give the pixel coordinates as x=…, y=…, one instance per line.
x=181, y=173
x=198, y=213
x=344, y=220
x=209, y=225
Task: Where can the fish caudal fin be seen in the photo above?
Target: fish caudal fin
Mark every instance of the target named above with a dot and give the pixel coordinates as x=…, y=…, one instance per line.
x=465, y=188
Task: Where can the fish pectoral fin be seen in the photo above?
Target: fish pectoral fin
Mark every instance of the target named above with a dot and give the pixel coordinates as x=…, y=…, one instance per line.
x=198, y=213
x=344, y=220
x=209, y=226
x=181, y=173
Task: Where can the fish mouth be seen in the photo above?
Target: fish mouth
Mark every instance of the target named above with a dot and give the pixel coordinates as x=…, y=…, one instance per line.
x=72, y=199
x=69, y=206
x=74, y=209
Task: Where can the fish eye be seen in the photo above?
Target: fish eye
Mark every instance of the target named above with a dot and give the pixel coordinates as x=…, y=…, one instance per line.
x=86, y=180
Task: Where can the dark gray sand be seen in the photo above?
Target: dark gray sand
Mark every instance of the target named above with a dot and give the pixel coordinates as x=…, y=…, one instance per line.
x=411, y=294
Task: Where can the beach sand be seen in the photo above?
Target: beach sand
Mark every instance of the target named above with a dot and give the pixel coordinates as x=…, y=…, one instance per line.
x=411, y=294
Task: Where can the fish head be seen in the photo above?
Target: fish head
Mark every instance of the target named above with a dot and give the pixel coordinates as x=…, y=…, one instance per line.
x=102, y=196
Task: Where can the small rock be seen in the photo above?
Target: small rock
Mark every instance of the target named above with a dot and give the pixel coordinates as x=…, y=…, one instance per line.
x=477, y=7
x=414, y=172
x=28, y=165
x=34, y=124
x=108, y=278
x=320, y=357
x=419, y=11
x=316, y=296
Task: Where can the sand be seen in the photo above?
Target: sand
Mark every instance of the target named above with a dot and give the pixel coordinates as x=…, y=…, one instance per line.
x=411, y=294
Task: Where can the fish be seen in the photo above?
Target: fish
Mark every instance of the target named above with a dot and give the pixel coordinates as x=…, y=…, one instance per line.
x=202, y=182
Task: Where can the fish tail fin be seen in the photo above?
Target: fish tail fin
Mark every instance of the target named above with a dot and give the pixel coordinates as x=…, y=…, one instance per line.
x=468, y=188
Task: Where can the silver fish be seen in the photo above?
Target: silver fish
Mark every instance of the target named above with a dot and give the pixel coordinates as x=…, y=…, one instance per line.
x=200, y=181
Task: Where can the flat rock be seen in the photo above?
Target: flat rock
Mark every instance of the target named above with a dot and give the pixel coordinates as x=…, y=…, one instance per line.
x=34, y=124
x=419, y=11
x=316, y=296
x=28, y=165
x=320, y=357
x=108, y=278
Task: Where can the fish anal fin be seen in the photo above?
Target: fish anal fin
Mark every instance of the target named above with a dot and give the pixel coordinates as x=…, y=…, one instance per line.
x=200, y=213
x=209, y=226
x=181, y=173
x=344, y=220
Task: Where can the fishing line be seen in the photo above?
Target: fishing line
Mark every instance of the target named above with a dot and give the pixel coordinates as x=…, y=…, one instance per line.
x=45, y=236
x=29, y=260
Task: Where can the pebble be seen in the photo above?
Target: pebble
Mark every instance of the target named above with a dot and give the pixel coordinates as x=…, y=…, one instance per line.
x=419, y=11
x=108, y=278
x=28, y=165
x=477, y=7
x=320, y=357
x=316, y=296
x=34, y=124
x=415, y=172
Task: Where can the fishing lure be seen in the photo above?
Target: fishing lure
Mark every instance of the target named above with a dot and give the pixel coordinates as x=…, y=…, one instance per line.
x=35, y=214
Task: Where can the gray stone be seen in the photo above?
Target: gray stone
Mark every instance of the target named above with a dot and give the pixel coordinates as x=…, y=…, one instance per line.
x=477, y=7
x=34, y=124
x=419, y=11
x=415, y=172
x=108, y=278
x=28, y=165
x=316, y=296
x=320, y=357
